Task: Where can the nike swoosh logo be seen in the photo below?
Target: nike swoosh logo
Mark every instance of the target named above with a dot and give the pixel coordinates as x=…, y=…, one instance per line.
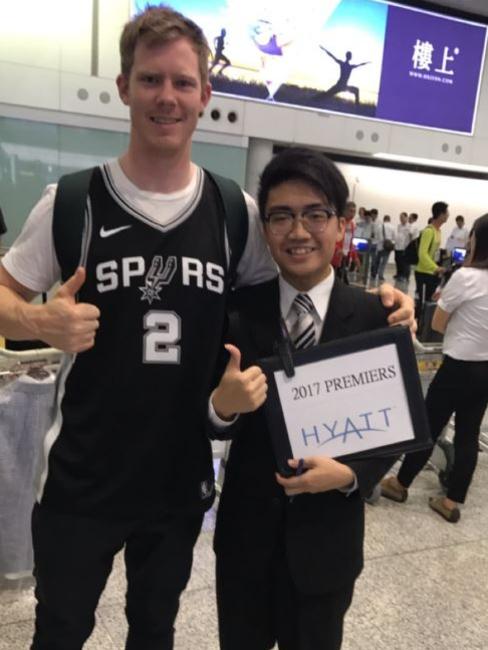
x=113, y=231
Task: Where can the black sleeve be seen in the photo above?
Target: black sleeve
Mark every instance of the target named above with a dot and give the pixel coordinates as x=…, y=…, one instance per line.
x=231, y=335
x=370, y=472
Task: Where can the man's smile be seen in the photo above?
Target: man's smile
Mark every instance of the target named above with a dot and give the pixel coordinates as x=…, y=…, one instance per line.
x=164, y=120
x=298, y=251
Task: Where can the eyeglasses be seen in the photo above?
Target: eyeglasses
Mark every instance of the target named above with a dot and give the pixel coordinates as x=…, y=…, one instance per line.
x=314, y=220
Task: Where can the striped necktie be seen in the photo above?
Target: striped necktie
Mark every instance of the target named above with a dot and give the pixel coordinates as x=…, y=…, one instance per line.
x=303, y=331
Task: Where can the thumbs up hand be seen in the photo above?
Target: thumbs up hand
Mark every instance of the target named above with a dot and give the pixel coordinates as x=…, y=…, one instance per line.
x=65, y=324
x=239, y=391
x=70, y=288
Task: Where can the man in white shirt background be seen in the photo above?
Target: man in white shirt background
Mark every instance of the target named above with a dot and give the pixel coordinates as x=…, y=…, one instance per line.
x=364, y=226
x=458, y=237
x=402, y=239
x=386, y=243
x=414, y=234
x=412, y=222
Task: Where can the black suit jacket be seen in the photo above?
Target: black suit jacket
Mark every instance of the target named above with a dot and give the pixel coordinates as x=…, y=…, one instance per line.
x=323, y=532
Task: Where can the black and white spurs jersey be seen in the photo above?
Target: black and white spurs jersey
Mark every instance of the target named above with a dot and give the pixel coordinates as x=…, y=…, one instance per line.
x=129, y=436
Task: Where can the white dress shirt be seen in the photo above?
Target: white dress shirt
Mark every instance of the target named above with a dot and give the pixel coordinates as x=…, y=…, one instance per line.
x=363, y=229
x=387, y=232
x=402, y=236
x=414, y=231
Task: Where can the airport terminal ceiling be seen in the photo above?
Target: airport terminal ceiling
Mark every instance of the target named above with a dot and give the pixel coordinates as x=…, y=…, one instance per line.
x=479, y=7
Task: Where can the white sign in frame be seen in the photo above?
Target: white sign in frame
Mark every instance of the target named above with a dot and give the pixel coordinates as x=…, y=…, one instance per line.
x=347, y=404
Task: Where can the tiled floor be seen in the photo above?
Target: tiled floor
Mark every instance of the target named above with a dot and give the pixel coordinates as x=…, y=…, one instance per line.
x=424, y=586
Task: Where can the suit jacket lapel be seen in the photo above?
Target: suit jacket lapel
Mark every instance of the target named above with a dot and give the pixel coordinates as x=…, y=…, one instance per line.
x=339, y=315
x=263, y=323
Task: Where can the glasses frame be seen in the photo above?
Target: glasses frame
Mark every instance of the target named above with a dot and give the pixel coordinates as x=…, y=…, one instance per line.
x=302, y=215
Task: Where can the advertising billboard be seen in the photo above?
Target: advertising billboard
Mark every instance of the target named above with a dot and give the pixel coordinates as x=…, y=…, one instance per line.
x=368, y=58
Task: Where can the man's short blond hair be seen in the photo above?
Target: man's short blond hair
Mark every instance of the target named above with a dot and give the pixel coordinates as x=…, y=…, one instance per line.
x=161, y=24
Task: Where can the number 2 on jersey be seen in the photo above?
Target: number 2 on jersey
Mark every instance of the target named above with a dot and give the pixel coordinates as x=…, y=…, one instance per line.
x=164, y=332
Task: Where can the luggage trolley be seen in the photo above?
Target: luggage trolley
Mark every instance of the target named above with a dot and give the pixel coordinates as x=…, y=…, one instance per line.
x=28, y=376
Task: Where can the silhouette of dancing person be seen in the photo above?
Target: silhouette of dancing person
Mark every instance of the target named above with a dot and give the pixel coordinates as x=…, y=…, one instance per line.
x=342, y=84
x=271, y=47
x=219, y=43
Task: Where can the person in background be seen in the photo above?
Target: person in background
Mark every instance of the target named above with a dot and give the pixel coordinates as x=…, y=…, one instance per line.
x=286, y=568
x=461, y=383
x=414, y=234
x=345, y=253
x=458, y=237
x=428, y=272
x=402, y=239
x=412, y=222
x=365, y=230
x=375, y=237
x=386, y=243
x=364, y=226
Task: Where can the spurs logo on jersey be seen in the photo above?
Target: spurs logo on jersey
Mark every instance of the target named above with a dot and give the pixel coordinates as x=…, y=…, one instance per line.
x=159, y=274
x=113, y=274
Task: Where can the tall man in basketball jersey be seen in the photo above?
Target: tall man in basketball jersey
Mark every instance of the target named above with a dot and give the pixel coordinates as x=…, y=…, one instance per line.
x=126, y=461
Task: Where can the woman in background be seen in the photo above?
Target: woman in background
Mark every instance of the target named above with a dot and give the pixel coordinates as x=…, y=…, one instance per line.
x=461, y=383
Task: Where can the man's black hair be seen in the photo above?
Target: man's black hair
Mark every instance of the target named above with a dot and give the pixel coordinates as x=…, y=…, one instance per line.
x=308, y=166
x=439, y=208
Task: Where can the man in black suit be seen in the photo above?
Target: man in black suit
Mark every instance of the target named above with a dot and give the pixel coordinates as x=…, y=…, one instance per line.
x=286, y=567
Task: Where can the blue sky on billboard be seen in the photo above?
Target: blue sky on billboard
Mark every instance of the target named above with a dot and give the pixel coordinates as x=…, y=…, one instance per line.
x=346, y=56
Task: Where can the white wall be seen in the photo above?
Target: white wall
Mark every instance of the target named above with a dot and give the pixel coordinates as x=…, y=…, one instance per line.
x=46, y=61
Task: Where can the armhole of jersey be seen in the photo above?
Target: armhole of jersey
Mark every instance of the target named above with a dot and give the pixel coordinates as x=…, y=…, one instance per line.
x=69, y=219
